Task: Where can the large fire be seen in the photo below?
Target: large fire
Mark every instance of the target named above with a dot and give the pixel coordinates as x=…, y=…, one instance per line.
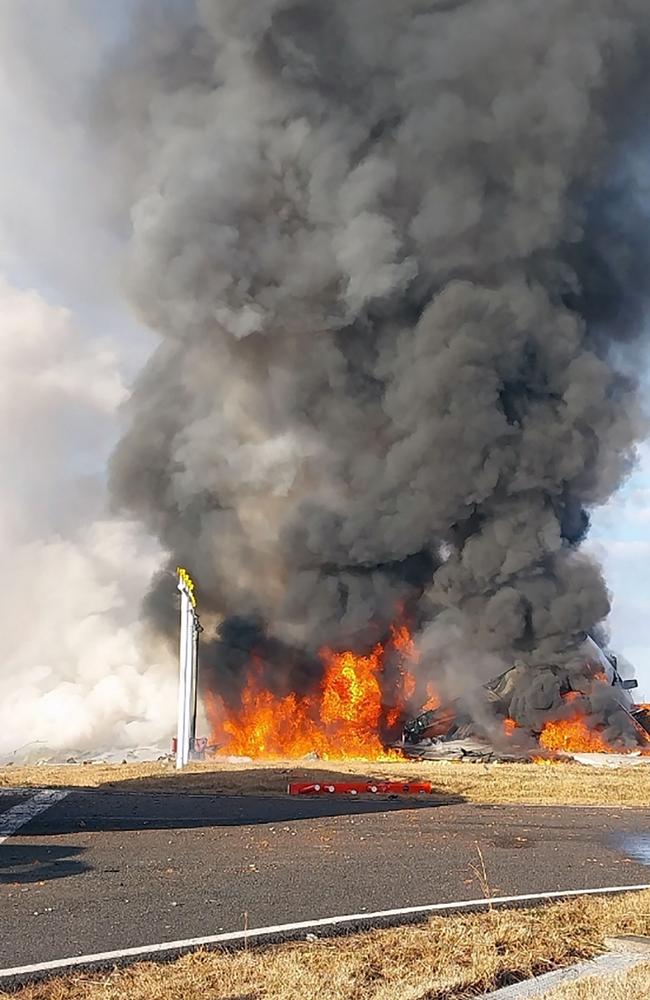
x=360, y=706
x=575, y=735
x=572, y=735
x=345, y=718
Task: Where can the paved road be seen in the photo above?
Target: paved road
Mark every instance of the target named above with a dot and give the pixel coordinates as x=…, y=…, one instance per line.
x=105, y=870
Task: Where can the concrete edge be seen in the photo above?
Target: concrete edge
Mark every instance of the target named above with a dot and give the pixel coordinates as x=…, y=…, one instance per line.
x=597, y=968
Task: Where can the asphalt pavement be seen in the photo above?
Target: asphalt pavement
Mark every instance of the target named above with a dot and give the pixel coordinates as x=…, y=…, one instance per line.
x=99, y=871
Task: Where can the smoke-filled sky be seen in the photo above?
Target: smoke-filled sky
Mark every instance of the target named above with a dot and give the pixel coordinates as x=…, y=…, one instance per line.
x=74, y=670
x=351, y=228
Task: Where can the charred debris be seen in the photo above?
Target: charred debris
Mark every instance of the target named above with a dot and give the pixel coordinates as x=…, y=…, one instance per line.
x=452, y=732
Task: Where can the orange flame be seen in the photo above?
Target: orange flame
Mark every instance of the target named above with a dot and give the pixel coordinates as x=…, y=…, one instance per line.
x=509, y=726
x=342, y=720
x=402, y=640
x=433, y=699
x=572, y=735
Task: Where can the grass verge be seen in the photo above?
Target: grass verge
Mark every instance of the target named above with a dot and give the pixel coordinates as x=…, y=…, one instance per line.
x=447, y=958
x=532, y=784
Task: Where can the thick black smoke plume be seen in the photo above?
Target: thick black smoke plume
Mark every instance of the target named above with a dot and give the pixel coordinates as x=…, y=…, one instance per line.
x=396, y=258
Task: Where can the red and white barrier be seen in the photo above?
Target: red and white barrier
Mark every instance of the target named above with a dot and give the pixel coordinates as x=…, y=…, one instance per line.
x=360, y=788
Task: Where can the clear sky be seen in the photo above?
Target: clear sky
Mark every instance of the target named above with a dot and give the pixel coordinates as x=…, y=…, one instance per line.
x=621, y=539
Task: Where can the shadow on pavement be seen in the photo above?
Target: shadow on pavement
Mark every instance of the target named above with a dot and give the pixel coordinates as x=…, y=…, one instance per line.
x=133, y=804
x=267, y=781
x=21, y=864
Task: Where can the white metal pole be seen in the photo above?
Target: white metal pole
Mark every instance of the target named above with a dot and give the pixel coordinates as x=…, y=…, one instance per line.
x=196, y=630
x=181, y=732
x=187, y=667
x=189, y=682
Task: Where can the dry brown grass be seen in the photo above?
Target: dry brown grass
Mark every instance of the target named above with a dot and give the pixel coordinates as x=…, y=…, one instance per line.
x=632, y=985
x=447, y=958
x=533, y=784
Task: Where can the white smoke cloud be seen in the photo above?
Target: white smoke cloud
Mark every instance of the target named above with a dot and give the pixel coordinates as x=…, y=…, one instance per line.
x=75, y=668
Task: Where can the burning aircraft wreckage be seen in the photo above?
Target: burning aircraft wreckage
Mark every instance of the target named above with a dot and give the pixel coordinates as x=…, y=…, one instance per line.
x=361, y=710
x=400, y=283
x=559, y=716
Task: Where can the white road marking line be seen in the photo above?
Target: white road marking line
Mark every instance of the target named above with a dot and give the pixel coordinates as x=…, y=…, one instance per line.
x=13, y=819
x=306, y=925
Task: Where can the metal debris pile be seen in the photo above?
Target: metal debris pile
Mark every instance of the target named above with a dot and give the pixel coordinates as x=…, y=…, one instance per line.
x=453, y=731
